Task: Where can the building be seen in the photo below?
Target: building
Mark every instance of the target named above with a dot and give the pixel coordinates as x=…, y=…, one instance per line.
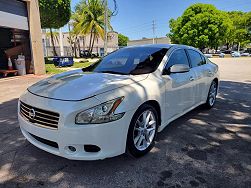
x=161, y=40
x=20, y=33
x=79, y=43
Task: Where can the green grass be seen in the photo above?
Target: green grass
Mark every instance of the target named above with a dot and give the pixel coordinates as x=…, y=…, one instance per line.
x=51, y=69
x=81, y=64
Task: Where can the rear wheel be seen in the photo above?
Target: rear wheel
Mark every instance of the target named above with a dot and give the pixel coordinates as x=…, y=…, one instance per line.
x=142, y=131
x=211, y=98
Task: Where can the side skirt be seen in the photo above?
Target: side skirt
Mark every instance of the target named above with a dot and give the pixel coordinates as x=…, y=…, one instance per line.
x=164, y=124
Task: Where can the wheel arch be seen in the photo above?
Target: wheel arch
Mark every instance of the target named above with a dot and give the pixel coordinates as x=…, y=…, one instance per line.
x=155, y=104
x=129, y=148
x=217, y=82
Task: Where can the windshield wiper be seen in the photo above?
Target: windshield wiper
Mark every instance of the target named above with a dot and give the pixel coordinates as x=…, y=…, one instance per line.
x=91, y=67
x=113, y=72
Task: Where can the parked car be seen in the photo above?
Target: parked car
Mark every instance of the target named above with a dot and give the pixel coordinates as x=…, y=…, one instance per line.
x=246, y=54
x=227, y=51
x=118, y=104
x=87, y=54
x=235, y=54
x=208, y=55
x=222, y=55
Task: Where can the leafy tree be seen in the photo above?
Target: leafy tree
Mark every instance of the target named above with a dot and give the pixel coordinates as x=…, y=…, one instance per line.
x=240, y=34
x=54, y=14
x=249, y=22
x=201, y=25
x=88, y=18
x=122, y=40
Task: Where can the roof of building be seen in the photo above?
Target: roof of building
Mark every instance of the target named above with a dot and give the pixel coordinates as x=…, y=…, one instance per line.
x=153, y=45
x=144, y=39
x=167, y=46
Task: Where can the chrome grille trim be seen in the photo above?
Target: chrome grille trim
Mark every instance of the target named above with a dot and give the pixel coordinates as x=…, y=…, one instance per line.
x=42, y=118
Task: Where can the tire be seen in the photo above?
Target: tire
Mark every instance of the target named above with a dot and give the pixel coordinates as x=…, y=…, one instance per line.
x=212, y=93
x=140, y=138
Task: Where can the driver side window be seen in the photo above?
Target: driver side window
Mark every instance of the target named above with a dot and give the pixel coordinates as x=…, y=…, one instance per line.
x=177, y=57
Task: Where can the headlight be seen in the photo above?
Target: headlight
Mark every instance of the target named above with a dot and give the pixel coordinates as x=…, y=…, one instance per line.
x=102, y=113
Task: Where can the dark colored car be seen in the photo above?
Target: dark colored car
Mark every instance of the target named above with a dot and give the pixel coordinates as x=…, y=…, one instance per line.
x=87, y=54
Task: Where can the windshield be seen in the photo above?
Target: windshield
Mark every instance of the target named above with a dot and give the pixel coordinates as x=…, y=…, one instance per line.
x=138, y=60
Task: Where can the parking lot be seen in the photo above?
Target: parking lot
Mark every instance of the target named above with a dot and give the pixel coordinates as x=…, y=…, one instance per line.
x=201, y=149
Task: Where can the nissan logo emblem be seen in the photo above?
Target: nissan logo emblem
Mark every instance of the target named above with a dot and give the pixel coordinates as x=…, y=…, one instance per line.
x=32, y=113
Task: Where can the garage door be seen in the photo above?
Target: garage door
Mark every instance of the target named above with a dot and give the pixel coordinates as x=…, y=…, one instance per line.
x=13, y=14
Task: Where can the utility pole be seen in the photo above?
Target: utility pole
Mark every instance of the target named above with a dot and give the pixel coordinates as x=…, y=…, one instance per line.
x=106, y=27
x=153, y=27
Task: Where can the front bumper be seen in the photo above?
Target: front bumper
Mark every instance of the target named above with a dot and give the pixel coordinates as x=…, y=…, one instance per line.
x=109, y=137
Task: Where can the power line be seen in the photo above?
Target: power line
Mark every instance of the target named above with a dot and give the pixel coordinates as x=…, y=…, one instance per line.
x=149, y=27
x=136, y=26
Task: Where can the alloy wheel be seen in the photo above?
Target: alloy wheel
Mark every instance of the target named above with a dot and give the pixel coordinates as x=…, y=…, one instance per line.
x=212, y=94
x=144, y=130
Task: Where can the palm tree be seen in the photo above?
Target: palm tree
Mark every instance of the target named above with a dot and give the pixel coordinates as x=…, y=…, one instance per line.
x=88, y=18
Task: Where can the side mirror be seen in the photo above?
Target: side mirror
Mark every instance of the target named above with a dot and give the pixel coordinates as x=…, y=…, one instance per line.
x=177, y=68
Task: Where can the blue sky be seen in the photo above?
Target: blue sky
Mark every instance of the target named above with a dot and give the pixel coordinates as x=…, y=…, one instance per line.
x=135, y=17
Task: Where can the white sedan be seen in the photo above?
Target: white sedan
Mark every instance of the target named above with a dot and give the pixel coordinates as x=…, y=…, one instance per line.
x=118, y=104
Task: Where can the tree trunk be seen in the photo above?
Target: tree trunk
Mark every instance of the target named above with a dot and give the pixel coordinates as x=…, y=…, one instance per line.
x=79, y=47
x=83, y=42
x=75, y=47
x=90, y=43
x=53, y=44
x=94, y=36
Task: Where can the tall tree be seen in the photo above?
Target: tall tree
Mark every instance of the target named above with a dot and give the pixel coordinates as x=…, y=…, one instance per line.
x=54, y=14
x=240, y=34
x=201, y=25
x=122, y=40
x=88, y=18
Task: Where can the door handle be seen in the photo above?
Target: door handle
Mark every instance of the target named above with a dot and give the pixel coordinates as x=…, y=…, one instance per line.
x=191, y=78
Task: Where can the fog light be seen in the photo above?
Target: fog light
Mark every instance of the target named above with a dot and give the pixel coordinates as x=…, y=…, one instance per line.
x=91, y=148
x=71, y=148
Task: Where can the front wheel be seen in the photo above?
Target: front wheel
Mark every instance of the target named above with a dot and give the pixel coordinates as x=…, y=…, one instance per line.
x=142, y=131
x=211, y=98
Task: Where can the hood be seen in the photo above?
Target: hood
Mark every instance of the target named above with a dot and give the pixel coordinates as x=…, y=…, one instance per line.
x=77, y=85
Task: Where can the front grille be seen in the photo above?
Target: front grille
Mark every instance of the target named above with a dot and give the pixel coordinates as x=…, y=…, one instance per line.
x=39, y=117
x=44, y=141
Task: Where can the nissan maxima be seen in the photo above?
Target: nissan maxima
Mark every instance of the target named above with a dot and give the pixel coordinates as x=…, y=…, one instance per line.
x=118, y=104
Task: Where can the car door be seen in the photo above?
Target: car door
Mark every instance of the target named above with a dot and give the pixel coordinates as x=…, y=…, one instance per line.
x=179, y=95
x=198, y=63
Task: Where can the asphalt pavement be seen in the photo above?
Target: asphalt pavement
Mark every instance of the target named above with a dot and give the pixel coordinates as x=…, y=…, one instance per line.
x=204, y=148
